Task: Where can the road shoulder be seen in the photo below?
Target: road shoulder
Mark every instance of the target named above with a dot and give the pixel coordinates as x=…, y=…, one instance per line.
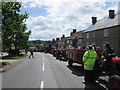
x=11, y=63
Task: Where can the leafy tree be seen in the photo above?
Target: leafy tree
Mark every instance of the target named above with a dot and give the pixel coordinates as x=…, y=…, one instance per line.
x=0, y=27
x=13, y=26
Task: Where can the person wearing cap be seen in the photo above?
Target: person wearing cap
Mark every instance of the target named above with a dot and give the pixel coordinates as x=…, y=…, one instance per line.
x=89, y=59
x=107, y=54
x=74, y=42
x=94, y=47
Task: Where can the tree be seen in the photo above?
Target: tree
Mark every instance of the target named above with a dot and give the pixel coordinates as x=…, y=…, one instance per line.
x=13, y=26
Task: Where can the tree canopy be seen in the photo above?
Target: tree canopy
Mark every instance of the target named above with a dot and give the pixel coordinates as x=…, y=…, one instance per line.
x=14, y=30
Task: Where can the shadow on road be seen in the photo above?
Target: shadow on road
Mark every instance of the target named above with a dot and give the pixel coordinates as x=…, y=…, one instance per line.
x=77, y=70
x=64, y=60
x=95, y=86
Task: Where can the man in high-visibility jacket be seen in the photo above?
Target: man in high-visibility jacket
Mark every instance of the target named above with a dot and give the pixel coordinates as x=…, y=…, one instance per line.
x=89, y=59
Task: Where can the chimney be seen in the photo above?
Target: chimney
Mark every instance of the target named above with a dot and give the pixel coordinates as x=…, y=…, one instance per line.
x=74, y=30
x=111, y=14
x=71, y=33
x=57, y=39
x=63, y=36
x=94, y=20
x=53, y=40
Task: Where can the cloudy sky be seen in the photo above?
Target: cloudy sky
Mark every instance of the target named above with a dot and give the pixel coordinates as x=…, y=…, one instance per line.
x=49, y=19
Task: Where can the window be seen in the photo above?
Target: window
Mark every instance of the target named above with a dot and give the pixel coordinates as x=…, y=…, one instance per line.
x=70, y=41
x=63, y=42
x=106, y=32
x=87, y=44
x=93, y=43
x=67, y=41
x=87, y=35
x=93, y=34
x=79, y=40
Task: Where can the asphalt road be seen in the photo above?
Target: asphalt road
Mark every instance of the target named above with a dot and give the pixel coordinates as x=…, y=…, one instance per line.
x=44, y=71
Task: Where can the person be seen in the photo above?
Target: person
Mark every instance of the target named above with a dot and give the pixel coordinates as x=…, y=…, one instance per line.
x=74, y=42
x=89, y=59
x=94, y=46
x=107, y=54
x=84, y=48
x=70, y=46
x=31, y=53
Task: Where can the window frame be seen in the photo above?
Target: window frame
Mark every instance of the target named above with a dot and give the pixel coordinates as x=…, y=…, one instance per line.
x=106, y=32
x=87, y=35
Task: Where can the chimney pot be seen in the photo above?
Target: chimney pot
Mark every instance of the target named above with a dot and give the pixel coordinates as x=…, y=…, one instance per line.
x=57, y=39
x=63, y=36
x=111, y=14
x=74, y=30
x=94, y=20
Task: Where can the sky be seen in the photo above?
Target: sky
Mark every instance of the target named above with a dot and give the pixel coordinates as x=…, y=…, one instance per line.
x=49, y=19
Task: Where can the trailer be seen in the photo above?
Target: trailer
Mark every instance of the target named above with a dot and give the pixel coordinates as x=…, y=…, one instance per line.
x=76, y=55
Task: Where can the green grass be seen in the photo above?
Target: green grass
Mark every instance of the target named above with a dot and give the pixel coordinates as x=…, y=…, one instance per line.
x=15, y=57
x=3, y=63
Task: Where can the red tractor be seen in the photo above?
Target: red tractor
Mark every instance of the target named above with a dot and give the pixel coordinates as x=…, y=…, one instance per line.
x=113, y=80
x=61, y=54
x=114, y=77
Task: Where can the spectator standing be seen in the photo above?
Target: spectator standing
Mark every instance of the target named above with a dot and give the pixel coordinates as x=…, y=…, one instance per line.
x=31, y=53
x=107, y=54
x=89, y=59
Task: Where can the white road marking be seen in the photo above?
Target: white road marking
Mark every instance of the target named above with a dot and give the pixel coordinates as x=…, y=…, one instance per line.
x=43, y=68
x=42, y=85
x=43, y=58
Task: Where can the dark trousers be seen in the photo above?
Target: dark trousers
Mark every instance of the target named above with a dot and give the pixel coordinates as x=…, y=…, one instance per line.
x=31, y=55
x=88, y=76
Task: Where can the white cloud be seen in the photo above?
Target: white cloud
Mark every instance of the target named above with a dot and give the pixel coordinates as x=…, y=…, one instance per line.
x=64, y=15
x=32, y=5
x=25, y=6
x=44, y=34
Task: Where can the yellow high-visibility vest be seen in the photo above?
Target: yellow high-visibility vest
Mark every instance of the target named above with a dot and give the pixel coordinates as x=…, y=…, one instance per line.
x=89, y=59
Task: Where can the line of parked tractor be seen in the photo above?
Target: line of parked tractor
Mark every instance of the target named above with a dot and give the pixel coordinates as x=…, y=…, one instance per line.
x=75, y=56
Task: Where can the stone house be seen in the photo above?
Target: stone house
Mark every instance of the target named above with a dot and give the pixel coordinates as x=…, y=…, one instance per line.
x=64, y=42
x=104, y=31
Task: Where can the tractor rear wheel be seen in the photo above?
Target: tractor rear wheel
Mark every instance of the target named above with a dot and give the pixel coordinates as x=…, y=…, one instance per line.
x=114, y=82
x=70, y=63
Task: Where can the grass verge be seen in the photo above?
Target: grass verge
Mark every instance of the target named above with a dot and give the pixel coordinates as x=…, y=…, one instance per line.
x=2, y=63
x=15, y=57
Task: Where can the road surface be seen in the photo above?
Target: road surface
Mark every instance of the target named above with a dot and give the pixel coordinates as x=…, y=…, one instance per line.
x=44, y=71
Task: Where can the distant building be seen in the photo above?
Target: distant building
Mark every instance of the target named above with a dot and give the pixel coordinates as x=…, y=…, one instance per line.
x=104, y=31
x=73, y=34
x=62, y=42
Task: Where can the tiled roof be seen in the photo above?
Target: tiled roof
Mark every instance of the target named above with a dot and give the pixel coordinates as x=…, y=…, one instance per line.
x=105, y=23
x=79, y=35
x=65, y=38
